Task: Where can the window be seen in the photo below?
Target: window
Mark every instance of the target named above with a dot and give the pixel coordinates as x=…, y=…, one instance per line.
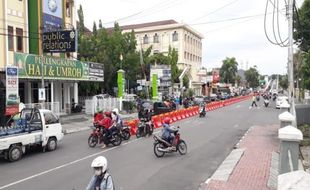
x=156, y=40
x=19, y=39
x=175, y=36
x=145, y=39
x=10, y=38
x=50, y=118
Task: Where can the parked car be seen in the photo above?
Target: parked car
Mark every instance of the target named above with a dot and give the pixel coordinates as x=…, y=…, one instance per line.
x=280, y=100
x=213, y=97
x=161, y=107
x=198, y=100
x=207, y=99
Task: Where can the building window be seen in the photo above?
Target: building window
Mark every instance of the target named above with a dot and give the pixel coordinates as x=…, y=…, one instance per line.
x=175, y=36
x=68, y=9
x=10, y=38
x=155, y=38
x=145, y=39
x=19, y=39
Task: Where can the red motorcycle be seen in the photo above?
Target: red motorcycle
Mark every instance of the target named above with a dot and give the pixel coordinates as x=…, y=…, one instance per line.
x=162, y=146
x=99, y=135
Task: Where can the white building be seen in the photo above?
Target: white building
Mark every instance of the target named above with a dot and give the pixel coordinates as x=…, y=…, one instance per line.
x=180, y=36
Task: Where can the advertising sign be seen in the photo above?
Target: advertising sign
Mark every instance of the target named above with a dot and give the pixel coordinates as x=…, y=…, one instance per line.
x=56, y=68
x=12, y=97
x=163, y=73
x=216, y=76
x=52, y=14
x=154, y=87
x=59, y=41
x=96, y=72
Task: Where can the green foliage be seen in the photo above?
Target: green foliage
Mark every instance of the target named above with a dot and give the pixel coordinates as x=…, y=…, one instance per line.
x=302, y=26
x=252, y=77
x=305, y=71
x=81, y=20
x=186, y=81
x=228, y=70
x=283, y=82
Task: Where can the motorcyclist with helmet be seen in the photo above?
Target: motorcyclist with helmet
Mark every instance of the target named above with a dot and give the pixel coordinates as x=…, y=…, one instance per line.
x=116, y=119
x=101, y=179
x=168, y=132
x=106, y=124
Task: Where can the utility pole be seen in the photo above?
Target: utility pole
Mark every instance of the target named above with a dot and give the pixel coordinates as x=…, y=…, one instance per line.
x=290, y=56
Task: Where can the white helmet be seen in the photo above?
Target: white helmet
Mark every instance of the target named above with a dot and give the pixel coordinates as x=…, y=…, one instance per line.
x=115, y=110
x=100, y=161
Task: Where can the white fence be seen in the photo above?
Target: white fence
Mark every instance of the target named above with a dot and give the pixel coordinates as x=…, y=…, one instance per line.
x=95, y=104
x=54, y=107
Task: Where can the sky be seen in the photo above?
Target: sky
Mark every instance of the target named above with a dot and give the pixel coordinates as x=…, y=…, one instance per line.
x=231, y=28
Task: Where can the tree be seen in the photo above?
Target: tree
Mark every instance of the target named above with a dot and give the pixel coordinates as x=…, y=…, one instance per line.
x=94, y=29
x=283, y=82
x=305, y=71
x=228, y=70
x=252, y=77
x=81, y=21
x=100, y=24
x=302, y=26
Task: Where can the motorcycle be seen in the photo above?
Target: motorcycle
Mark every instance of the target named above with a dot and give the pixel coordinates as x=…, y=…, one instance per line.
x=266, y=102
x=202, y=112
x=162, y=146
x=99, y=135
x=124, y=132
x=145, y=127
x=76, y=108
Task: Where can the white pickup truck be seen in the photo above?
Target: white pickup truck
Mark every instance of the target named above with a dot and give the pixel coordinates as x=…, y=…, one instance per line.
x=29, y=128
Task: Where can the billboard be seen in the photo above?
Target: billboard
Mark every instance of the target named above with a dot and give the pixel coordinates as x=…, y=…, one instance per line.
x=12, y=97
x=52, y=14
x=30, y=67
x=163, y=73
x=59, y=41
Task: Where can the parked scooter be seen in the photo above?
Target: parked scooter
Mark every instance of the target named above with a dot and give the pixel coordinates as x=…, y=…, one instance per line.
x=162, y=146
x=76, y=108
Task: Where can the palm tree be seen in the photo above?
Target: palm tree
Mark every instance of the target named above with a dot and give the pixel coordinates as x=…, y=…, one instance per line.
x=228, y=70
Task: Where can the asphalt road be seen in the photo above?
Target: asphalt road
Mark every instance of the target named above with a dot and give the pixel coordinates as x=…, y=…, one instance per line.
x=133, y=165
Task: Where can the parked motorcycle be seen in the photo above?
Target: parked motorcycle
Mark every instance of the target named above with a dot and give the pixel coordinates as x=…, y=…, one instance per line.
x=145, y=127
x=76, y=108
x=99, y=136
x=162, y=146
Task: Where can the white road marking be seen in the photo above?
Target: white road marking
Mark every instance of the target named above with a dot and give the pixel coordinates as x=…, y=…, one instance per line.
x=68, y=164
x=238, y=106
x=208, y=180
x=236, y=126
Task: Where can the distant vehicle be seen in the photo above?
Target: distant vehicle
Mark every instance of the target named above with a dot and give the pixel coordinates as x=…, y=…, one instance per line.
x=161, y=107
x=207, y=99
x=280, y=100
x=12, y=99
x=30, y=128
x=213, y=97
x=198, y=100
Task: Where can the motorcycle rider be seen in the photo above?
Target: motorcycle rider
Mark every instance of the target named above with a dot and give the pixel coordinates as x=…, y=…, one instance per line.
x=203, y=106
x=106, y=124
x=168, y=132
x=116, y=118
x=101, y=179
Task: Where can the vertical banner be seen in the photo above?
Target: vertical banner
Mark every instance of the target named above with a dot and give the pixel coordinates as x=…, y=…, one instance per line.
x=154, y=87
x=120, y=83
x=12, y=97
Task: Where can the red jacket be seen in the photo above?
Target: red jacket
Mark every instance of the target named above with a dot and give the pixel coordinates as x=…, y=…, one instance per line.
x=105, y=122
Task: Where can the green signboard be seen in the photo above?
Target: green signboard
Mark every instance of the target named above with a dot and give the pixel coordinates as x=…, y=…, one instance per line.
x=30, y=66
x=120, y=83
x=154, y=87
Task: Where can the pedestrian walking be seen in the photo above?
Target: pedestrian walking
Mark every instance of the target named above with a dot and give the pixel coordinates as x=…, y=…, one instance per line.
x=254, y=101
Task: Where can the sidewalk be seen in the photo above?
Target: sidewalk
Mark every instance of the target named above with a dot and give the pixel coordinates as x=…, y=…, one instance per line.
x=82, y=122
x=252, y=166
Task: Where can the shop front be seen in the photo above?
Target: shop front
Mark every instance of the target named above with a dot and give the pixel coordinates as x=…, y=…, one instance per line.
x=59, y=76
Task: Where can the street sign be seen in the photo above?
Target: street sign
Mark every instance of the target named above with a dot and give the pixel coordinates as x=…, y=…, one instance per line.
x=12, y=97
x=42, y=94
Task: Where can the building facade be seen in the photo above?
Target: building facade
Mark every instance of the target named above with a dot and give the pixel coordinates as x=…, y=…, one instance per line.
x=164, y=34
x=22, y=28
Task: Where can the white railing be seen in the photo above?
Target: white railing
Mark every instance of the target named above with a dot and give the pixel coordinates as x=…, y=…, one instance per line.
x=95, y=104
x=54, y=107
